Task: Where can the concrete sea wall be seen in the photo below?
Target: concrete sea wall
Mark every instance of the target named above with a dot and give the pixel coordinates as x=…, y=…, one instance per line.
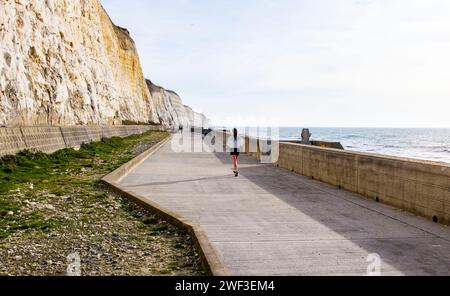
x=419, y=187
x=51, y=138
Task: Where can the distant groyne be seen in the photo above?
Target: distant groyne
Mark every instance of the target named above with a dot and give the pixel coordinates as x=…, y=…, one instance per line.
x=419, y=187
x=52, y=138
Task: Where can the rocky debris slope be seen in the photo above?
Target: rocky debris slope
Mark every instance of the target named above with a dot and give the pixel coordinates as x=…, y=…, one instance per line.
x=64, y=62
x=48, y=217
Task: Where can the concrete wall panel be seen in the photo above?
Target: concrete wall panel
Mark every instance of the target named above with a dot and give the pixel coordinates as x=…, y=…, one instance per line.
x=109, y=132
x=74, y=136
x=133, y=130
x=94, y=133
x=11, y=141
x=51, y=139
x=45, y=139
x=420, y=187
x=121, y=131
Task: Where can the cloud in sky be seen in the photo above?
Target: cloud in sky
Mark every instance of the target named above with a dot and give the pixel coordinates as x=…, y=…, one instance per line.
x=301, y=63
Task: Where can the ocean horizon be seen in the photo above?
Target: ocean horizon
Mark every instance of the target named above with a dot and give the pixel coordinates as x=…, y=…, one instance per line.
x=431, y=144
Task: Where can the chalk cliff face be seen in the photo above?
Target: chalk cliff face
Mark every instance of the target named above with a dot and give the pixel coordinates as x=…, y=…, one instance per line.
x=169, y=107
x=63, y=62
x=171, y=111
x=196, y=119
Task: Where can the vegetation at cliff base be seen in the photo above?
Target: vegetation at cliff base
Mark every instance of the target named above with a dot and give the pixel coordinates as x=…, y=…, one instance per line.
x=54, y=205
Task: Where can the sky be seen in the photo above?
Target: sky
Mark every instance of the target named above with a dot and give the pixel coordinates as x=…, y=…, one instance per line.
x=306, y=63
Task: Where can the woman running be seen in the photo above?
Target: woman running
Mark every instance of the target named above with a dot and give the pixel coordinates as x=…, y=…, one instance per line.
x=234, y=143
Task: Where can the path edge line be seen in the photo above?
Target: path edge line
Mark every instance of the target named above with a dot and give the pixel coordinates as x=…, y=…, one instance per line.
x=210, y=258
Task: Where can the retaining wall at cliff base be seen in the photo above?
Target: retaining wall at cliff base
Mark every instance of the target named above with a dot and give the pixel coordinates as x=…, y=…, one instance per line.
x=52, y=138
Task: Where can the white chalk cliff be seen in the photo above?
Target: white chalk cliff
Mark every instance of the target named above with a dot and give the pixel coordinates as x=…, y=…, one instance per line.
x=172, y=112
x=63, y=62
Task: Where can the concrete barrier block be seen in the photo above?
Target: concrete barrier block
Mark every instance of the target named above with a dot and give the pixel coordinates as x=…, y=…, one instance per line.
x=140, y=129
x=74, y=136
x=45, y=139
x=156, y=128
x=446, y=217
x=109, y=132
x=286, y=159
x=11, y=141
x=122, y=131
x=94, y=133
x=430, y=174
x=133, y=130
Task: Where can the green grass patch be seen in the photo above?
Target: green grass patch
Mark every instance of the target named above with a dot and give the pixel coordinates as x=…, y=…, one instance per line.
x=10, y=224
x=150, y=220
x=159, y=228
x=59, y=180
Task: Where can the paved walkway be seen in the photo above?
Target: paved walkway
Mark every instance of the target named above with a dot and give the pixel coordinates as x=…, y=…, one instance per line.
x=272, y=222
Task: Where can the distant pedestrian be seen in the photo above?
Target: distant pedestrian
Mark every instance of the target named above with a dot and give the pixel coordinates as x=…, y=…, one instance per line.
x=234, y=142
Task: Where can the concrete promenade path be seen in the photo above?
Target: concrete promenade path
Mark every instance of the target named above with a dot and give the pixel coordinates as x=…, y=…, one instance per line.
x=269, y=221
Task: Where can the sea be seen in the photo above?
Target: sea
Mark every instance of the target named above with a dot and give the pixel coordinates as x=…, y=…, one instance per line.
x=419, y=143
